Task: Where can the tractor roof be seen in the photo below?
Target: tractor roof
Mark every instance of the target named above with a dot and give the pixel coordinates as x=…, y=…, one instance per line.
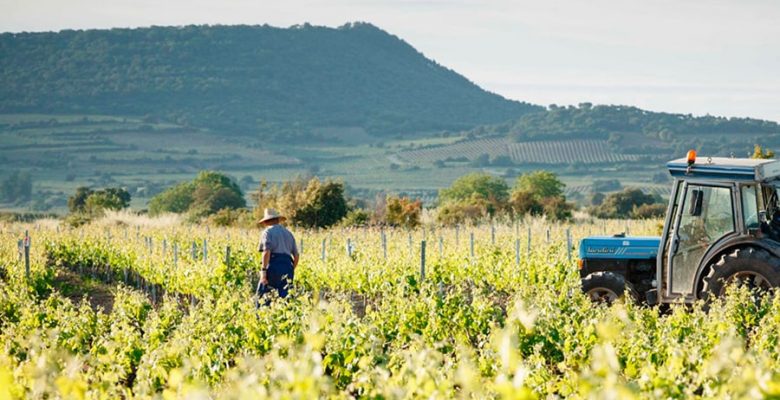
x=720, y=168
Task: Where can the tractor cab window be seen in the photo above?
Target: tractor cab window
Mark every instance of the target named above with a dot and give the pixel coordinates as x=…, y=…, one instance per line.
x=750, y=207
x=706, y=215
x=771, y=225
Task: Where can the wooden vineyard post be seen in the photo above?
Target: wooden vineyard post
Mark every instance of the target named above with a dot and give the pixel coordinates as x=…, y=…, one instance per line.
x=26, y=246
x=457, y=237
x=227, y=256
x=422, y=260
x=164, y=248
x=493, y=235
x=517, y=251
x=441, y=246
x=529, y=242
x=322, y=257
x=349, y=247
x=471, y=245
x=548, y=235
x=205, y=249
x=194, y=251
x=175, y=254
x=568, y=242
x=300, y=251
x=384, y=244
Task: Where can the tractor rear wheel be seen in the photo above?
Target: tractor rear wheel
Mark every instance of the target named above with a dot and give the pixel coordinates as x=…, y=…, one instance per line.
x=607, y=287
x=755, y=268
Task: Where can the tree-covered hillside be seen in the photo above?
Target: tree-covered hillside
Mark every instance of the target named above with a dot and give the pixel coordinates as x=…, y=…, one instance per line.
x=587, y=121
x=244, y=79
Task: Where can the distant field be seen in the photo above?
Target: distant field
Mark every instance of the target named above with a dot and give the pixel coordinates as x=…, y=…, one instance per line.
x=536, y=152
x=661, y=190
x=63, y=152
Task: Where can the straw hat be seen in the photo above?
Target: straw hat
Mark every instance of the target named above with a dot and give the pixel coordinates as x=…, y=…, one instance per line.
x=270, y=213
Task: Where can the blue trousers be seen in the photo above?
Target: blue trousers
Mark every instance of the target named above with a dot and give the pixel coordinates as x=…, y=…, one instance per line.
x=280, y=276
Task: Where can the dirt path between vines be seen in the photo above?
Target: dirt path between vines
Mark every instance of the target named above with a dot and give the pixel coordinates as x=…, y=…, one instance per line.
x=75, y=287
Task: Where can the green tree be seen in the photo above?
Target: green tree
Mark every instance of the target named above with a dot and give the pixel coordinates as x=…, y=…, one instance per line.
x=541, y=184
x=477, y=189
x=78, y=202
x=540, y=193
x=176, y=199
x=476, y=184
x=106, y=199
x=311, y=203
x=326, y=205
x=208, y=193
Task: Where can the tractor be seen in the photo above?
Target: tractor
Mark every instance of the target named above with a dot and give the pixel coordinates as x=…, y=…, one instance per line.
x=722, y=226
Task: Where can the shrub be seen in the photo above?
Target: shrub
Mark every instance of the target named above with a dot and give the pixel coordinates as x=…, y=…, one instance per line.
x=540, y=193
x=402, y=211
x=486, y=191
x=208, y=193
x=649, y=211
x=311, y=204
x=622, y=204
x=233, y=217
x=455, y=213
x=356, y=217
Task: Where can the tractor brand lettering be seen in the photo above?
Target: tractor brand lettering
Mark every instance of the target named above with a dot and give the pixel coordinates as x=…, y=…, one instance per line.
x=602, y=250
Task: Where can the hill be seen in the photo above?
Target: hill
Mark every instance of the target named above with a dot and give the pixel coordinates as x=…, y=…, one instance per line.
x=600, y=121
x=244, y=79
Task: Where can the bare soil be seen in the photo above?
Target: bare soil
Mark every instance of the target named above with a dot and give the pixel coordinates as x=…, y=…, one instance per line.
x=75, y=287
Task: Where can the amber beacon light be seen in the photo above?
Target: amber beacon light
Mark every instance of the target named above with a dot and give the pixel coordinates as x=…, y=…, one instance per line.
x=691, y=157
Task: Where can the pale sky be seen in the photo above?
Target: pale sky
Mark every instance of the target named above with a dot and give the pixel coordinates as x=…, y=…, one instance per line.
x=688, y=56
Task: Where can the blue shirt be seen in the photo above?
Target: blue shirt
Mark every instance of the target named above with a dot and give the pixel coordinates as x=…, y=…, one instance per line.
x=279, y=240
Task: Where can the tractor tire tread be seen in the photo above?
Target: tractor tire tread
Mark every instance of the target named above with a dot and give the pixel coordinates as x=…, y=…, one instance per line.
x=724, y=268
x=610, y=280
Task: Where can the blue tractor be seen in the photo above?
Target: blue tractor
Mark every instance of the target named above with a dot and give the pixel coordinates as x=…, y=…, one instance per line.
x=722, y=226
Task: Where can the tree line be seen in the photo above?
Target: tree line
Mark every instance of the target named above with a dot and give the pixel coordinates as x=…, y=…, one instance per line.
x=217, y=199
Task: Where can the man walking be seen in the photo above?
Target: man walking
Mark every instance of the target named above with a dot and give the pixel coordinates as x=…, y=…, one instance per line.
x=280, y=255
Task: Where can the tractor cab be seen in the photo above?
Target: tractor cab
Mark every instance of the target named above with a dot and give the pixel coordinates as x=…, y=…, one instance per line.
x=722, y=225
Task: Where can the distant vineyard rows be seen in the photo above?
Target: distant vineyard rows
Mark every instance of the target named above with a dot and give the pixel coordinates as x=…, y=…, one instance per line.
x=540, y=152
x=585, y=189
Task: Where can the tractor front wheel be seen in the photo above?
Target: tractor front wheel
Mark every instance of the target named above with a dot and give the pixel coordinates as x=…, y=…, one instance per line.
x=754, y=268
x=606, y=287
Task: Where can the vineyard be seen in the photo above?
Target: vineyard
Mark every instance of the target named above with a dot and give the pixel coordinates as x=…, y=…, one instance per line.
x=660, y=190
x=538, y=152
x=469, y=312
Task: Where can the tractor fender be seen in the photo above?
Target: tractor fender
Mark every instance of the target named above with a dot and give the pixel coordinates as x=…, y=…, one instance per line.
x=727, y=247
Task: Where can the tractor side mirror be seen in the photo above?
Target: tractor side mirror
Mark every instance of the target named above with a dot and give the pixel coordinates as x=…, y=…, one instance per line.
x=697, y=199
